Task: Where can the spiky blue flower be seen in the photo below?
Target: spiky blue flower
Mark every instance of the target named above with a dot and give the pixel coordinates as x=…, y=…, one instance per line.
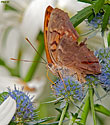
x=96, y=22
x=69, y=88
x=104, y=78
x=104, y=58
x=25, y=111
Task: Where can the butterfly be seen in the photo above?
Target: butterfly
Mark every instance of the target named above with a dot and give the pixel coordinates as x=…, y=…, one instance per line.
x=64, y=55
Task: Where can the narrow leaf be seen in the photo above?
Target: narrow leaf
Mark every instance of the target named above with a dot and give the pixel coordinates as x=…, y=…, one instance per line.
x=91, y=17
x=81, y=15
x=85, y=111
x=46, y=119
x=7, y=7
x=2, y=62
x=3, y=94
x=102, y=109
x=86, y=1
x=108, y=38
x=60, y=111
x=106, y=17
x=98, y=5
x=74, y=117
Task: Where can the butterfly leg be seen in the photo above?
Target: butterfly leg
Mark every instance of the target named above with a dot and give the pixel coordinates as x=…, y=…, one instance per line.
x=50, y=79
x=81, y=77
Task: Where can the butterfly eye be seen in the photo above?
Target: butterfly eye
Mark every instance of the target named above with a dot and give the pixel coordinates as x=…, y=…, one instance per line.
x=50, y=65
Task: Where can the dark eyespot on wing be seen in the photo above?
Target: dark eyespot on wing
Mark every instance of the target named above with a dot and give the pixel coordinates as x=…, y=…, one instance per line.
x=89, y=62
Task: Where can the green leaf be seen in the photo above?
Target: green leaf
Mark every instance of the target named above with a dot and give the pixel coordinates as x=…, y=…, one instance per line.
x=86, y=1
x=91, y=17
x=100, y=120
x=106, y=17
x=81, y=15
x=74, y=117
x=107, y=1
x=108, y=38
x=102, y=109
x=78, y=123
x=46, y=119
x=60, y=111
x=8, y=7
x=85, y=111
x=91, y=95
x=3, y=94
x=2, y=62
x=12, y=123
x=98, y=5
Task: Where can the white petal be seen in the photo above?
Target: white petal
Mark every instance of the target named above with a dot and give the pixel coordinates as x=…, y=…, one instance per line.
x=19, y=4
x=71, y=5
x=11, y=47
x=4, y=72
x=7, y=111
x=94, y=42
x=9, y=82
x=34, y=17
x=1, y=7
x=34, y=87
x=39, y=85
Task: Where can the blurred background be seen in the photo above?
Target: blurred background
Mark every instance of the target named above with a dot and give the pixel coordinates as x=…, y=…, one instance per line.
x=25, y=18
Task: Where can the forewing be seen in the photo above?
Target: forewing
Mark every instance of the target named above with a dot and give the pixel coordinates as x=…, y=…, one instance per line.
x=59, y=24
x=46, y=21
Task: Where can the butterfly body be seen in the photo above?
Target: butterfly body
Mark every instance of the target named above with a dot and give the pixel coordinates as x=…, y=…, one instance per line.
x=64, y=55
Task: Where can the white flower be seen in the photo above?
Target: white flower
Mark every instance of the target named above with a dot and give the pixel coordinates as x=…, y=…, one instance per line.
x=94, y=40
x=71, y=5
x=34, y=87
x=33, y=19
x=7, y=111
x=27, y=21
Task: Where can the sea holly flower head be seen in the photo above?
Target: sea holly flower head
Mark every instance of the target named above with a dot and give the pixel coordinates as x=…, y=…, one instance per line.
x=92, y=79
x=104, y=77
x=67, y=88
x=96, y=22
x=104, y=58
x=25, y=110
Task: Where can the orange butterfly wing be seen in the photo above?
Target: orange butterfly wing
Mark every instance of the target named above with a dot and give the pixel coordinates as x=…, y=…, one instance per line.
x=46, y=21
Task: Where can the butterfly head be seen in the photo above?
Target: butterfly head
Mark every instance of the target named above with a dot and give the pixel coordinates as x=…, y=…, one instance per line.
x=53, y=68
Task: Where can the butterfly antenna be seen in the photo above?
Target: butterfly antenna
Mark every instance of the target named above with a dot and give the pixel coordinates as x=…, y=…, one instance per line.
x=35, y=49
x=24, y=60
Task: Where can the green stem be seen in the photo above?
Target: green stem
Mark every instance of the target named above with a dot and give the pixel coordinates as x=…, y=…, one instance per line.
x=37, y=58
x=63, y=114
x=92, y=103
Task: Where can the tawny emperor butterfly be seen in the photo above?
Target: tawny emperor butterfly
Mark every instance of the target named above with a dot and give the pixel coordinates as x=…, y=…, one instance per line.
x=64, y=55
